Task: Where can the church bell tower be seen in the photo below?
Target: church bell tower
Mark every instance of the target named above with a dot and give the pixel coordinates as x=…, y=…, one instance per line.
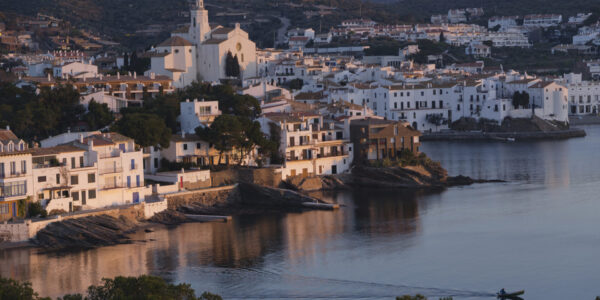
x=199, y=23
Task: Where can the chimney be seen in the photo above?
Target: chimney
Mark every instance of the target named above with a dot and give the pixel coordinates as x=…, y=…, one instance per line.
x=7, y=127
x=135, y=75
x=118, y=75
x=187, y=100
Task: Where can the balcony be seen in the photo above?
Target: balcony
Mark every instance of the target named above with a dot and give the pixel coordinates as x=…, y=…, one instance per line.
x=332, y=154
x=296, y=158
x=14, y=175
x=112, y=170
x=109, y=155
x=112, y=186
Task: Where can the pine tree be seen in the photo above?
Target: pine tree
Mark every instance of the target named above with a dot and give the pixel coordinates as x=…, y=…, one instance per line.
x=133, y=62
x=236, y=67
x=229, y=63
x=126, y=61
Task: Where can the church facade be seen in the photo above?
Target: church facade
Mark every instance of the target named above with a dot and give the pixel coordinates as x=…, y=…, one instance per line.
x=199, y=52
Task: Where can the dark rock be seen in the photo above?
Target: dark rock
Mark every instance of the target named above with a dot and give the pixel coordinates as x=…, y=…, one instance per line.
x=169, y=217
x=84, y=233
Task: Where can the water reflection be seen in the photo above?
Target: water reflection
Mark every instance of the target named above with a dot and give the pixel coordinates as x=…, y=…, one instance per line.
x=381, y=243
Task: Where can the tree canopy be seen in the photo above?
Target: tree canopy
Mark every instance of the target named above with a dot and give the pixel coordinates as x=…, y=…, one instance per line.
x=98, y=115
x=118, y=288
x=146, y=129
x=520, y=99
x=229, y=132
x=35, y=117
x=230, y=102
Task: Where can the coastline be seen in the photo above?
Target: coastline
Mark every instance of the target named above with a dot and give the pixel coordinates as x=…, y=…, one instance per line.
x=503, y=136
x=584, y=120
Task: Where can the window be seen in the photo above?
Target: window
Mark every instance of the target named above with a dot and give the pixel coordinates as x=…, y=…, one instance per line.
x=184, y=146
x=57, y=178
x=75, y=196
x=176, y=51
x=72, y=162
x=81, y=161
x=198, y=145
x=41, y=179
x=23, y=167
x=13, y=168
x=91, y=178
x=74, y=180
x=4, y=209
x=92, y=194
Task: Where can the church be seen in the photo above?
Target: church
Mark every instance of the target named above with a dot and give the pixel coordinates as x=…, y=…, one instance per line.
x=198, y=53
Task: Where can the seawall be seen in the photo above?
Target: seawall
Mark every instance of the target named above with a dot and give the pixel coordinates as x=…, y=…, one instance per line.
x=503, y=136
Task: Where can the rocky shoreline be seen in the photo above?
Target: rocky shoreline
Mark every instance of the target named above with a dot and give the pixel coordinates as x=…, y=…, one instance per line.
x=103, y=230
x=412, y=177
x=503, y=136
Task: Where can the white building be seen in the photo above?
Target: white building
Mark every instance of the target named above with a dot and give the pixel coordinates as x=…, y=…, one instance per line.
x=199, y=52
x=76, y=70
x=504, y=22
x=310, y=145
x=197, y=113
x=478, y=50
x=543, y=21
x=114, y=103
x=15, y=173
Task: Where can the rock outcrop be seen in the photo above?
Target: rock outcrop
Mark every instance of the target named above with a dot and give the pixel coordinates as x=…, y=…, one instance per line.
x=85, y=233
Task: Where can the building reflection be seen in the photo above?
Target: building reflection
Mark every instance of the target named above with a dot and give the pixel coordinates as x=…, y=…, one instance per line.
x=245, y=242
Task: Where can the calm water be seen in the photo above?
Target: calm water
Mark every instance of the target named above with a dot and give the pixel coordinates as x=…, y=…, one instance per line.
x=538, y=232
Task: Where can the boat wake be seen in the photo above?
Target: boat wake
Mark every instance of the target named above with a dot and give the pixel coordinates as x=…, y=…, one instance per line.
x=264, y=284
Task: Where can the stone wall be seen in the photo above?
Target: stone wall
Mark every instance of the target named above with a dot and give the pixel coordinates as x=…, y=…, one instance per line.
x=208, y=197
x=261, y=176
x=24, y=230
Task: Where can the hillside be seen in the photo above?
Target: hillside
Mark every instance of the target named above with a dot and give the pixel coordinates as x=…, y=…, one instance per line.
x=140, y=23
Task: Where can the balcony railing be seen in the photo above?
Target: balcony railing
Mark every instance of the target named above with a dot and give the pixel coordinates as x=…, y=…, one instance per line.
x=14, y=175
x=332, y=154
x=112, y=186
x=110, y=154
x=112, y=170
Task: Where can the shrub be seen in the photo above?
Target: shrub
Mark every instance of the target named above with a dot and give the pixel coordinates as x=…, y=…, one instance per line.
x=35, y=209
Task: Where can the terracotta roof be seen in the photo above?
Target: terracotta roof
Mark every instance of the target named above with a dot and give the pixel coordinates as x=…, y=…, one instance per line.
x=542, y=84
x=310, y=96
x=175, y=41
x=6, y=135
x=222, y=30
x=213, y=41
x=55, y=150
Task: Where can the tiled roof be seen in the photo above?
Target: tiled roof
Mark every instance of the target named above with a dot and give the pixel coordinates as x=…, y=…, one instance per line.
x=55, y=150
x=175, y=41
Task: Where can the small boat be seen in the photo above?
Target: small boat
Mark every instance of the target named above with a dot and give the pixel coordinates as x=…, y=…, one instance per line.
x=513, y=295
x=510, y=139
